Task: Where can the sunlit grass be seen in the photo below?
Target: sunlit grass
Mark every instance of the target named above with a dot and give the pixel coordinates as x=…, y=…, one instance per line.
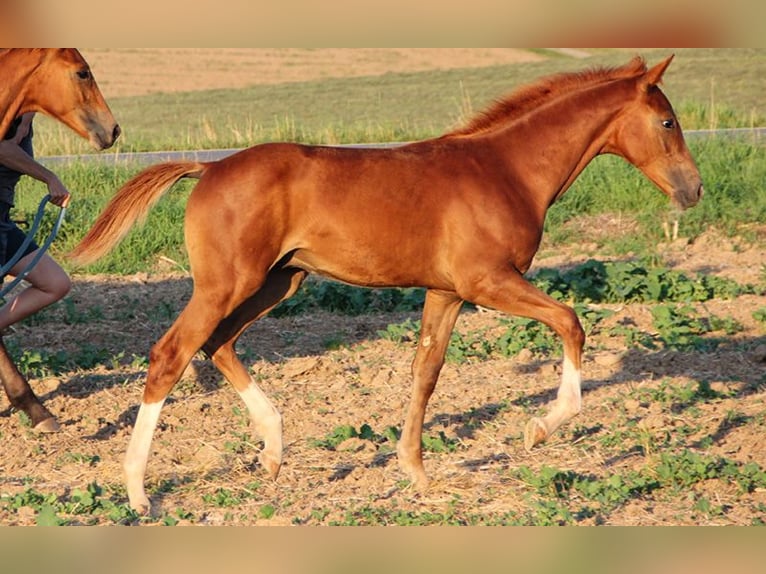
x=709, y=88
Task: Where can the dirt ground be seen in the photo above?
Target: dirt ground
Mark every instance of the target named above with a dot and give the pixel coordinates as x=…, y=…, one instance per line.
x=326, y=371
x=139, y=71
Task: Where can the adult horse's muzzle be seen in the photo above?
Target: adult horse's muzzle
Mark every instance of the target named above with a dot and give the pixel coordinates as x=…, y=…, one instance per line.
x=103, y=139
x=99, y=127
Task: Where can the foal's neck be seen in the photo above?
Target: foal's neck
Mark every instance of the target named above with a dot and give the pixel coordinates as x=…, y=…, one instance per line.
x=550, y=146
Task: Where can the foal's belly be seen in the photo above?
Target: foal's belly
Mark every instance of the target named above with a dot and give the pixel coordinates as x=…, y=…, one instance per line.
x=364, y=268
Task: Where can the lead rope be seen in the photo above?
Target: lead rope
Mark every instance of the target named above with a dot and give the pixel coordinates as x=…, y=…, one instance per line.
x=30, y=236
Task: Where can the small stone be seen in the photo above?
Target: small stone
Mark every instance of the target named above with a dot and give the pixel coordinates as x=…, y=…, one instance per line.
x=525, y=356
x=549, y=369
x=654, y=421
x=631, y=405
x=759, y=354
x=299, y=366
x=353, y=444
x=608, y=359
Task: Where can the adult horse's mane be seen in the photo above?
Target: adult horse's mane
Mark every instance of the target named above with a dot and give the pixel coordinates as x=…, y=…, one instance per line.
x=7, y=51
x=531, y=96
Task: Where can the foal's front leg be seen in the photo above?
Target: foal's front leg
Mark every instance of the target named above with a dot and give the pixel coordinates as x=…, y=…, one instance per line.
x=439, y=315
x=511, y=293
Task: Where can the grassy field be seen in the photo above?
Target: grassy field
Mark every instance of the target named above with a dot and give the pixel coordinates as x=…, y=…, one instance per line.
x=709, y=88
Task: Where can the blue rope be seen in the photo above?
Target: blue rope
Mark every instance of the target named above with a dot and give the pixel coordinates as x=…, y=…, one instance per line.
x=27, y=240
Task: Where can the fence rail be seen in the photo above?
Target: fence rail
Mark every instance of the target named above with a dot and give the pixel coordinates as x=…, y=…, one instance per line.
x=149, y=157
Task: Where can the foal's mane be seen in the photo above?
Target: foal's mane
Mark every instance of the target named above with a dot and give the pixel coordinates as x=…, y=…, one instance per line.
x=531, y=96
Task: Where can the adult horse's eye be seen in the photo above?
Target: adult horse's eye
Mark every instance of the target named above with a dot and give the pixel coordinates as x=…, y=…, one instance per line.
x=669, y=124
x=83, y=74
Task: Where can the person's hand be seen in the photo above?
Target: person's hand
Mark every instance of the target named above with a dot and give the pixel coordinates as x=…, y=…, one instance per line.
x=59, y=195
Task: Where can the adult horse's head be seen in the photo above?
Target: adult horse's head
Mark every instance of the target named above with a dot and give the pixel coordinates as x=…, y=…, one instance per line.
x=648, y=135
x=62, y=86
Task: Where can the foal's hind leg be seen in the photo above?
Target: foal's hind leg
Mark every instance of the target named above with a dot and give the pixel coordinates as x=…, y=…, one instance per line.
x=439, y=315
x=267, y=422
x=167, y=361
x=511, y=293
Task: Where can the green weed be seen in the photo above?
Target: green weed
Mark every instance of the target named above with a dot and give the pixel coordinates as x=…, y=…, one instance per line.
x=679, y=471
x=337, y=436
x=76, y=316
x=403, y=332
x=76, y=457
x=633, y=282
x=566, y=496
x=42, y=363
x=525, y=334
x=174, y=518
x=519, y=333
x=222, y=498
x=678, y=397
x=679, y=327
x=266, y=511
x=439, y=443
x=760, y=315
x=88, y=505
x=387, y=439
x=463, y=348
x=347, y=300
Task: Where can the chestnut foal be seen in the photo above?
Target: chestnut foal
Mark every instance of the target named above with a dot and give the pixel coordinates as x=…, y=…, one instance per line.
x=461, y=215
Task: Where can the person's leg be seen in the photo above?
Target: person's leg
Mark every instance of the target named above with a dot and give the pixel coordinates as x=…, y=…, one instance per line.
x=48, y=283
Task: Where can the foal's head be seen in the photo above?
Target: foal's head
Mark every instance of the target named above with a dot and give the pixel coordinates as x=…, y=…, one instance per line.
x=648, y=135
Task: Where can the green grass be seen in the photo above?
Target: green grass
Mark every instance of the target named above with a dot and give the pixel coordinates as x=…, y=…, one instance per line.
x=708, y=87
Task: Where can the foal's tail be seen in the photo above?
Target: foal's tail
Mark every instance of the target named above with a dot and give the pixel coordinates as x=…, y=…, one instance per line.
x=131, y=204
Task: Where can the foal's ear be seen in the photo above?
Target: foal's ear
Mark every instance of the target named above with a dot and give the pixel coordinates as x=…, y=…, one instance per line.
x=654, y=75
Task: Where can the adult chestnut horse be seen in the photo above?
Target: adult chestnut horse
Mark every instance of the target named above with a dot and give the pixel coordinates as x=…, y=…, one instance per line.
x=461, y=215
x=59, y=83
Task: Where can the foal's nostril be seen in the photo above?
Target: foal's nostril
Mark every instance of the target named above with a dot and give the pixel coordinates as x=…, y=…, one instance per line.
x=116, y=132
x=700, y=192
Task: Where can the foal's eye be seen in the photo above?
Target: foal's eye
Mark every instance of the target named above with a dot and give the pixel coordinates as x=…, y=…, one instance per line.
x=83, y=74
x=669, y=124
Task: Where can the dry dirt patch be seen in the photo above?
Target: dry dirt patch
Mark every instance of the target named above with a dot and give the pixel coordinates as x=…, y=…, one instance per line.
x=139, y=71
x=326, y=371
